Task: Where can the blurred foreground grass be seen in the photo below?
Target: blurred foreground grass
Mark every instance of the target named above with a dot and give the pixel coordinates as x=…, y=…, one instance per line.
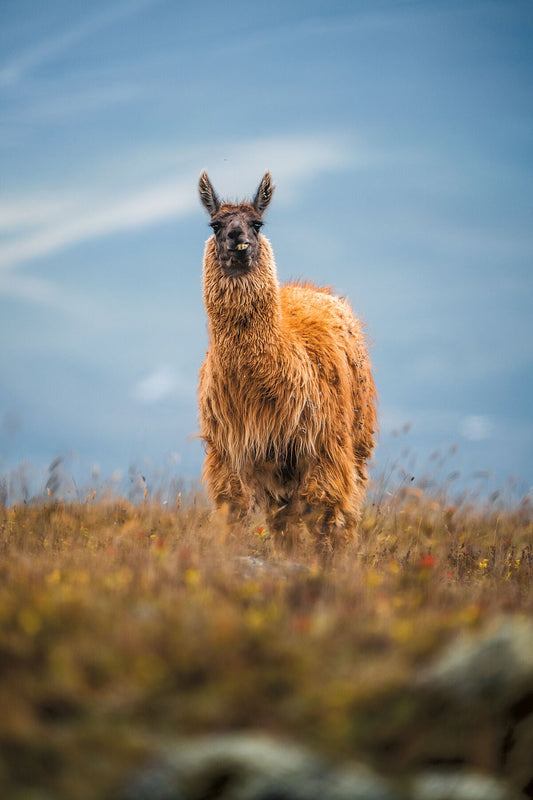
x=122, y=625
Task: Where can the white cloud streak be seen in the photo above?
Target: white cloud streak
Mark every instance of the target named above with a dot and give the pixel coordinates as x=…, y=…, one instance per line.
x=476, y=427
x=144, y=207
x=158, y=385
x=39, y=225
x=19, y=214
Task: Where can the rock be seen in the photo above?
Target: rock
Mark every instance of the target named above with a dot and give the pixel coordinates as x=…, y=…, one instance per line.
x=496, y=665
x=487, y=683
x=458, y=786
x=360, y=783
x=251, y=767
x=259, y=767
x=251, y=566
x=518, y=762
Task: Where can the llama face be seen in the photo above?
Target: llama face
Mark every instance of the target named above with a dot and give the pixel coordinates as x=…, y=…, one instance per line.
x=236, y=227
x=236, y=230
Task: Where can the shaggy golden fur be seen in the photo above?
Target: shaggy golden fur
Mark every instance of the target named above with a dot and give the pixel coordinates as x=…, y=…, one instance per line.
x=286, y=394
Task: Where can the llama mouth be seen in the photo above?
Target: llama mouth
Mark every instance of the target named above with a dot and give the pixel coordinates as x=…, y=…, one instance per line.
x=239, y=257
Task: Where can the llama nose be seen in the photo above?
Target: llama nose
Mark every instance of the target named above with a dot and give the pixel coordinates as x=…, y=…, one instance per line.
x=235, y=233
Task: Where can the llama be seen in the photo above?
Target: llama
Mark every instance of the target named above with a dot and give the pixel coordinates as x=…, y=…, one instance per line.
x=286, y=394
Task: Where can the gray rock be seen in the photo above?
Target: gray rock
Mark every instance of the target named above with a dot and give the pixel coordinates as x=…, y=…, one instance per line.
x=519, y=754
x=489, y=676
x=259, y=767
x=360, y=783
x=496, y=665
x=251, y=767
x=251, y=566
x=458, y=786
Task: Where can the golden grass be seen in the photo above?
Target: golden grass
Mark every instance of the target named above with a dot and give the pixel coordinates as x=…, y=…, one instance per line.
x=124, y=625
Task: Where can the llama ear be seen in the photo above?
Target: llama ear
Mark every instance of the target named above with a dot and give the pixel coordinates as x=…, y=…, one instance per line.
x=264, y=193
x=208, y=195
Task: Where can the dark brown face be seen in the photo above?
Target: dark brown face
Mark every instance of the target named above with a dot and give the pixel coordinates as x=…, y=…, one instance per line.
x=236, y=230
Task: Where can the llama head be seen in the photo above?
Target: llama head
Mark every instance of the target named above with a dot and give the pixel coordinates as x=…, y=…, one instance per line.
x=236, y=227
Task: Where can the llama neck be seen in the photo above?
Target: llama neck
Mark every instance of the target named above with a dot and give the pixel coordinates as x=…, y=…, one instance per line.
x=244, y=312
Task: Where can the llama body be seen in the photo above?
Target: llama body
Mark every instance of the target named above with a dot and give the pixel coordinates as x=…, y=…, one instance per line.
x=286, y=395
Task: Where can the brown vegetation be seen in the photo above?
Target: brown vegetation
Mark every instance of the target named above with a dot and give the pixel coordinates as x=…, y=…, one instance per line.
x=124, y=625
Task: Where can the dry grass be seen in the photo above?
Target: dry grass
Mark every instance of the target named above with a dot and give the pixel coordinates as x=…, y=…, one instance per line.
x=122, y=625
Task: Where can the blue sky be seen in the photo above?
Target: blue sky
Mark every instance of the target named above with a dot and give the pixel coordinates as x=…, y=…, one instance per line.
x=399, y=136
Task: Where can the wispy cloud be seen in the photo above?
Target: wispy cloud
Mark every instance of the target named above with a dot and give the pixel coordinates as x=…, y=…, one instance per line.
x=77, y=100
x=39, y=225
x=16, y=69
x=44, y=292
x=22, y=213
x=95, y=217
x=161, y=383
x=476, y=427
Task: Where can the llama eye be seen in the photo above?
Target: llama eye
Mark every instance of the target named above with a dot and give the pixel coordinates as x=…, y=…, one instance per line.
x=216, y=226
x=257, y=226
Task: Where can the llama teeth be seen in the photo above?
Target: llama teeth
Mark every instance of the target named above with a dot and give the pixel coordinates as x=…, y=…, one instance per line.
x=242, y=246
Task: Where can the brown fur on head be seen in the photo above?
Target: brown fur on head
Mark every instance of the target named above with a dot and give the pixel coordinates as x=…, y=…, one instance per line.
x=236, y=227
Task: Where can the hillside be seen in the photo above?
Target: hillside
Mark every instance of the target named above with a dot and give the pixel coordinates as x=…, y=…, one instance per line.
x=124, y=627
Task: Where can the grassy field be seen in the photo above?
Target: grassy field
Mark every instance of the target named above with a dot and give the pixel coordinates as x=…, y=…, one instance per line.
x=122, y=625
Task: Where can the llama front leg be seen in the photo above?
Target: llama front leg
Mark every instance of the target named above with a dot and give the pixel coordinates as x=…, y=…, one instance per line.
x=284, y=522
x=328, y=526
x=331, y=504
x=225, y=487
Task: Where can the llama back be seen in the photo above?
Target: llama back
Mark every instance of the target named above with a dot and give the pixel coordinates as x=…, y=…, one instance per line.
x=332, y=338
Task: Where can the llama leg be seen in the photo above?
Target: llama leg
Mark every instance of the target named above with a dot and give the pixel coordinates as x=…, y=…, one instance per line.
x=328, y=526
x=332, y=503
x=226, y=488
x=283, y=522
